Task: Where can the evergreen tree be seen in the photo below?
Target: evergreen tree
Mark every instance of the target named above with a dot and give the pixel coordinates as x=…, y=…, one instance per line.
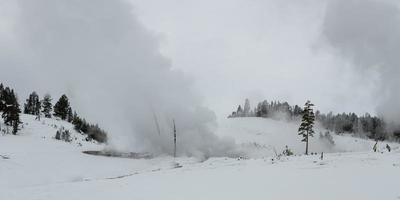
x=70, y=116
x=11, y=110
x=94, y=132
x=62, y=107
x=297, y=111
x=239, y=111
x=307, y=123
x=33, y=104
x=75, y=117
x=247, y=108
x=47, y=106
x=1, y=97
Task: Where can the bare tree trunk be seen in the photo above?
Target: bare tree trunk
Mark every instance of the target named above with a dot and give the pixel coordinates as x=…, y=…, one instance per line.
x=174, y=139
x=307, y=144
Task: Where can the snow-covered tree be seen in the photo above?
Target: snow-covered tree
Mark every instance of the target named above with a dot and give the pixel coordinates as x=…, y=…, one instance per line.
x=11, y=109
x=307, y=124
x=1, y=97
x=33, y=104
x=246, y=108
x=70, y=115
x=63, y=134
x=239, y=111
x=47, y=106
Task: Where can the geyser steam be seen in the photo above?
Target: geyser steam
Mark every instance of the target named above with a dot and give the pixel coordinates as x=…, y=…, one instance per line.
x=366, y=32
x=109, y=64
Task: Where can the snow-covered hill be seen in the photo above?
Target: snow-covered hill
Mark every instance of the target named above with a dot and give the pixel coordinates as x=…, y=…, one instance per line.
x=262, y=137
x=34, y=166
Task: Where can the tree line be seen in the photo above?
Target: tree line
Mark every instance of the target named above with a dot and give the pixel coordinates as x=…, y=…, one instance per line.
x=10, y=109
x=365, y=125
x=273, y=109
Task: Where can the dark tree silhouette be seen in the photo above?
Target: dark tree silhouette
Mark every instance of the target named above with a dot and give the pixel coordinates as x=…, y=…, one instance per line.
x=47, y=106
x=307, y=123
x=61, y=108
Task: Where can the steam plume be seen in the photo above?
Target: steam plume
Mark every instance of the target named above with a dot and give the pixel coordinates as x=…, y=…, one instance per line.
x=110, y=66
x=366, y=32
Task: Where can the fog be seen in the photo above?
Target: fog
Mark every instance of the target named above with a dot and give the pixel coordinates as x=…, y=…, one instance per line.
x=131, y=68
x=366, y=33
x=110, y=66
x=261, y=50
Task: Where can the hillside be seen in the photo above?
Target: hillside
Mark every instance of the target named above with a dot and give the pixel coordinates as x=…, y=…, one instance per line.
x=36, y=166
x=260, y=136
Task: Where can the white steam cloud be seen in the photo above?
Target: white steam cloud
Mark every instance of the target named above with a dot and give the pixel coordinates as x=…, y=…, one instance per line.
x=366, y=32
x=109, y=64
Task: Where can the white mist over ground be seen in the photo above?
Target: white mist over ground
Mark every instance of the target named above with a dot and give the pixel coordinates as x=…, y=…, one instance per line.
x=366, y=33
x=110, y=66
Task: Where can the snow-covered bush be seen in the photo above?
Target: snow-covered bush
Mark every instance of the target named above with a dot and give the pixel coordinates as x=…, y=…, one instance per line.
x=287, y=151
x=63, y=134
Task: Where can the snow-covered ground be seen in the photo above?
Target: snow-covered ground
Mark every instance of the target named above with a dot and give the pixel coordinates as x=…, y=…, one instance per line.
x=260, y=137
x=36, y=166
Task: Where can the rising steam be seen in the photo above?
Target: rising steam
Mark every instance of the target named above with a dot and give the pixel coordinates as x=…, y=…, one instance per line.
x=109, y=64
x=366, y=32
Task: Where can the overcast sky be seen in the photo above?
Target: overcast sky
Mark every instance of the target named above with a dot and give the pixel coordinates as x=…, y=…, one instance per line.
x=259, y=49
x=237, y=49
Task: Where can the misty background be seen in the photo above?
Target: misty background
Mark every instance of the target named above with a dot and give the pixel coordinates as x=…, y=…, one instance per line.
x=193, y=61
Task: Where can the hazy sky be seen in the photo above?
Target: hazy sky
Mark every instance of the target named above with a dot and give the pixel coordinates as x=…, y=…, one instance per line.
x=237, y=49
x=260, y=49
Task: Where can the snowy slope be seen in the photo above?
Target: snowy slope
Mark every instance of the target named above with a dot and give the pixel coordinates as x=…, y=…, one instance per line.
x=40, y=167
x=261, y=137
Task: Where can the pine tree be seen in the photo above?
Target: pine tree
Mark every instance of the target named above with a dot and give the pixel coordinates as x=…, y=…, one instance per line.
x=307, y=123
x=62, y=107
x=239, y=111
x=2, y=101
x=11, y=110
x=174, y=139
x=70, y=115
x=247, y=108
x=1, y=97
x=33, y=104
x=47, y=106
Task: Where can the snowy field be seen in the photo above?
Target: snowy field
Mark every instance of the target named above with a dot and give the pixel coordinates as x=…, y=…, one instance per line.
x=34, y=166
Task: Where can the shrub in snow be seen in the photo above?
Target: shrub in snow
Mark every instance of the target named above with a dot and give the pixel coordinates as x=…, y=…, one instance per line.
x=287, y=151
x=93, y=132
x=63, y=135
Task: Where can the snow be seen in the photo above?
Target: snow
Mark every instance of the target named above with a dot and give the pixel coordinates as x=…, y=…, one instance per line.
x=261, y=137
x=40, y=167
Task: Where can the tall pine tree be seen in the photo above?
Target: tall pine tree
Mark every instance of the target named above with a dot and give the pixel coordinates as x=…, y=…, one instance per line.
x=47, y=106
x=70, y=115
x=11, y=110
x=33, y=104
x=61, y=108
x=307, y=123
x=1, y=97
